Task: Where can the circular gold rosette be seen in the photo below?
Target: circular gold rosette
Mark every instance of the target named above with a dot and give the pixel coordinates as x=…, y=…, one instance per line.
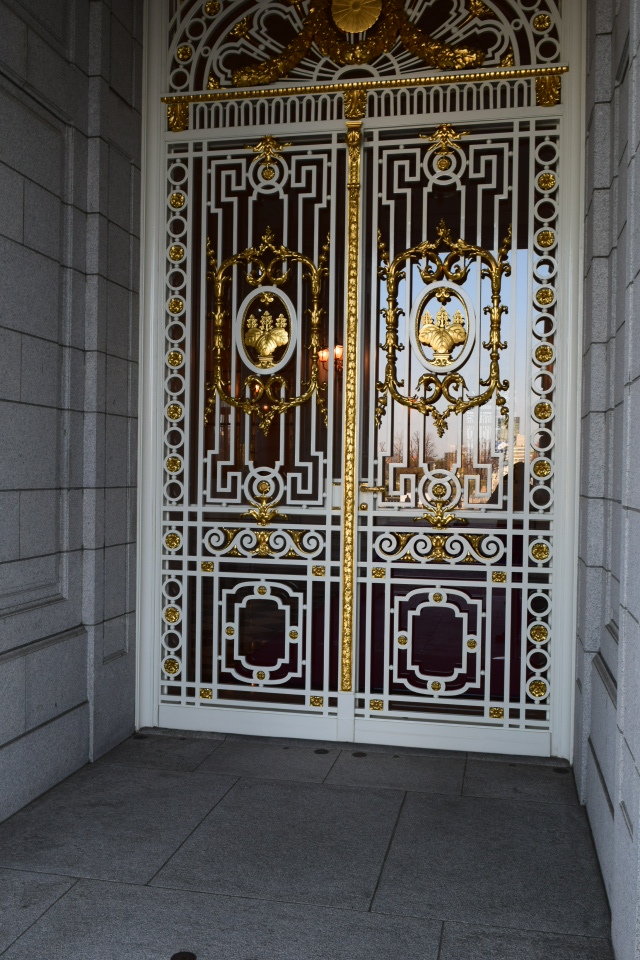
x=355, y=16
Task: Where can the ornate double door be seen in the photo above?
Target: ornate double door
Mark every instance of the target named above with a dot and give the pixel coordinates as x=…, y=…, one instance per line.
x=359, y=500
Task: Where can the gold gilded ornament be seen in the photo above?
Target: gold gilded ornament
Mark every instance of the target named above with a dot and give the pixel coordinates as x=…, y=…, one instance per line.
x=174, y=411
x=442, y=334
x=264, y=510
x=548, y=90
x=230, y=631
x=546, y=181
x=213, y=82
x=472, y=644
x=206, y=693
x=546, y=238
x=172, y=540
x=267, y=151
x=171, y=666
x=496, y=713
x=542, y=411
x=542, y=22
x=260, y=675
x=293, y=634
x=172, y=614
x=318, y=571
x=544, y=353
x=453, y=267
x=355, y=16
x=175, y=358
x=262, y=591
x=177, y=200
x=320, y=27
x=437, y=598
x=316, y=701
x=444, y=141
x=378, y=573
x=538, y=689
x=212, y=7
x=376, y=704
x=176, y=253
x=173, y=464
x=178, y=117
x=544, y=296
x=207, y=566
x=176, y=305
x=539, y=633
x=499, y=576
x=540, y=552
x=403, y=641
x=184, y=53
x=266, y=264
x=436, y=685
x=541, y=468
x=242, y=29
x=508, y=59
x=265, y=335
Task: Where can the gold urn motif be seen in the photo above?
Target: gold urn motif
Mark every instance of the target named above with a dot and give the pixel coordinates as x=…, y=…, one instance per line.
x=443, y=333
x=265, y=335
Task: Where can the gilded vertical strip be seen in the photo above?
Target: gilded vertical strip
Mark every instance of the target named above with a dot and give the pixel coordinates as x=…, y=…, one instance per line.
x=355, y=102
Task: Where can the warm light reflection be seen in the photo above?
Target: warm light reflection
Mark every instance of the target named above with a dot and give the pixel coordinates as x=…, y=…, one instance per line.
x=338, y=352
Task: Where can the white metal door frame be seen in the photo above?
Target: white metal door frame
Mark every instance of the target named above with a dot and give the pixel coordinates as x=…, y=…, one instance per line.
x=273, y=722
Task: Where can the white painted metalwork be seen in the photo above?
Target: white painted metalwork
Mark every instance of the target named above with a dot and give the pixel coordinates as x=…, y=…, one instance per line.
x=461, y=632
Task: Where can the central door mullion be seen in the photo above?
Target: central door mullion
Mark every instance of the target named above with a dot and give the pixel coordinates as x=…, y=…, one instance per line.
x=354, y=109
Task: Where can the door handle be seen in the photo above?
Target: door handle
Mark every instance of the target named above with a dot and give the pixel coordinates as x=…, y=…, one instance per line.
x=364, y=488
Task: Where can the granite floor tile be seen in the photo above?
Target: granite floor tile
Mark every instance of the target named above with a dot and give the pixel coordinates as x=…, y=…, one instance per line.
x=164, y=753
x=23, y=898
x=503, y=863
x=519, y=781
x=109, y=822
x=105, y=921
x=301, y=842
x=471, y=942
x=271, y=761
x=428, y=774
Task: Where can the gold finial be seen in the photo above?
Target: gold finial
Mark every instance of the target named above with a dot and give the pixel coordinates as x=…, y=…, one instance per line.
x=267, y=151
x=444, y=139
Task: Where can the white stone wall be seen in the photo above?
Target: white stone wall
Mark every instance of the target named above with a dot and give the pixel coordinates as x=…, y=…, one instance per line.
x=608, y=649
x=70, y=91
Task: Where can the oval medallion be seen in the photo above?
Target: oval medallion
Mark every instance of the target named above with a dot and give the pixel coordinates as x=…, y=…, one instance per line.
x=442, y=331
x=266, y=331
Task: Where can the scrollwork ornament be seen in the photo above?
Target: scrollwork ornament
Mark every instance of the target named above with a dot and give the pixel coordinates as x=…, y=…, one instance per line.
x=381, y=35
x=433, y=268
x=265, y=398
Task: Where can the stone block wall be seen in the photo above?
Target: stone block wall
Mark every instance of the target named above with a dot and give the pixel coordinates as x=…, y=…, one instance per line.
x=607, y=760
x=70, y=104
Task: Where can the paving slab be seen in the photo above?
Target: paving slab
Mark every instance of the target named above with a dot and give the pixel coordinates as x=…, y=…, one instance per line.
x=301, y=842
x=427, y=774
x=24, y=897
x=503, y=863
x=162, y=753
x=109, y=822
x=272, y=761
x=519, y=781
x=106, y=921
x=473, y=942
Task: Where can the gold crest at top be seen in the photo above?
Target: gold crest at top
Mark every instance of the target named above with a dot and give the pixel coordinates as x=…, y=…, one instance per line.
x=355, y=16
